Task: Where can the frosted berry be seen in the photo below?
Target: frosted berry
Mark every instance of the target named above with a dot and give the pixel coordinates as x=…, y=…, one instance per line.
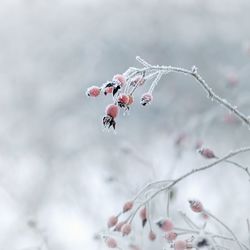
x=93, y=91
x=108, y=90
x=123, y=100
x=112, y=221
x=111, y=111
x=196, y=206
x=207, y=153
x=180, y=245
x=170, y=236
x=120, y=78
x=165, y=225
x=151, y=235
x=127, y=206
x=126, y=229
x=146, y=98
x=111, y=242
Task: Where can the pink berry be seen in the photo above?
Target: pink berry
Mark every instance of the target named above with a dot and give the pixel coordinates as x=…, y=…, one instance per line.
x=108, y=90
x=93, y=91
x=180, y=245
x=127, y=206
x=170, y=236
x=165, y=225
x=112, y=110
x=151, y=235
x=207, y=153
x=112, y=221
x=123, y=99
x=196, y=206
x=143, y=213
x=126, y=229
x=111, y=242
x=146, y=98
x=120, y=78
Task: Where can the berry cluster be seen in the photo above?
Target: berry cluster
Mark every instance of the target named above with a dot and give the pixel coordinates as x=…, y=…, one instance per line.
x=173, y=235
x=122, y=88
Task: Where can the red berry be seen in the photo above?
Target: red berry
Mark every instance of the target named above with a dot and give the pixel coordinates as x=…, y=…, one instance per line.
x=196, y=206
x=111, y=242
x=126, y=229
x=108, y=90
x=165, y=225
x=112, y=110
x=123, y=99
x=93, y=91
x=146, y=98
x=207, y=153
x=120, y=78
x=112, y=221
x=127, y=206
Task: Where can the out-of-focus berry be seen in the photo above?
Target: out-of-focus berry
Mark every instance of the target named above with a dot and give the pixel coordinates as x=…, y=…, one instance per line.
x=207, y=153
x=196, y=206
x=165, y=225
x=180, y=245
x=111, y=242
x=126, y=229
x=127, y=206
x=112, y=221
x=151, y=235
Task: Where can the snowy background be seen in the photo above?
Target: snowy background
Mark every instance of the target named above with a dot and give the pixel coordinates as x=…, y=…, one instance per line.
x=61, y=176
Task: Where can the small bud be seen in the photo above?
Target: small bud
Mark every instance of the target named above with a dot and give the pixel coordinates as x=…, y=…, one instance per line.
x=120, y=78
x=127, y=206
x=206, y=153
x=146, y=98
x=93, y=91
x=112, y=221
x=165, y=225
x=170, y=236
x=196, y=206
x=180, y=245
x=151, y=235
x=111, y=242
x=126, y=229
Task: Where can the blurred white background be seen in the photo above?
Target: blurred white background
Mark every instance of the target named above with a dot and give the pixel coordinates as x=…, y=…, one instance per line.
x=61, y=176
